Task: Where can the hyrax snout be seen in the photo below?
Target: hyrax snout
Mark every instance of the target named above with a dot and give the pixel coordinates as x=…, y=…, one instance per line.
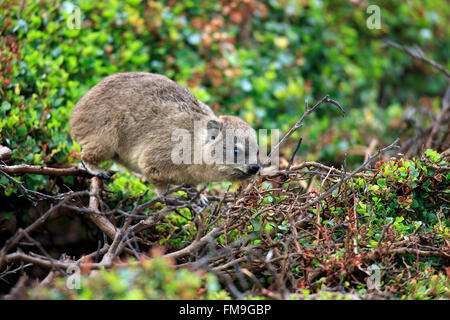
x=158, y=128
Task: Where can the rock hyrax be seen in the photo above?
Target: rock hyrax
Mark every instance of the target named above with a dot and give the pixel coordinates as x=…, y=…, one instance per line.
x=158, y=128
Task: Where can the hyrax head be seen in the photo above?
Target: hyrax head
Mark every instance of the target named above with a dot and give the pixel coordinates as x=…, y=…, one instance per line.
x=232, y=148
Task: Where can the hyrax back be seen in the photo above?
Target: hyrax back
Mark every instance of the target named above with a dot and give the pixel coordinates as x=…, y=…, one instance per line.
x=130, y=118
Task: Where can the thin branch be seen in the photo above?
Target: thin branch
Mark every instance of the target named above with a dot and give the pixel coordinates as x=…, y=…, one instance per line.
x=18, y=236
x=49, y=171
x=294, y=153
x=100, y=220
x=195, y=245
x=31, y=194
x=418, y=54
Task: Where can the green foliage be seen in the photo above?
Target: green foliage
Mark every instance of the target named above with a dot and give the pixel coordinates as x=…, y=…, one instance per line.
x=149, y=279
x=410, y=190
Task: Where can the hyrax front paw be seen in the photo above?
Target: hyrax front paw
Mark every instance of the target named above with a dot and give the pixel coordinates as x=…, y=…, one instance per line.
x=106, y=175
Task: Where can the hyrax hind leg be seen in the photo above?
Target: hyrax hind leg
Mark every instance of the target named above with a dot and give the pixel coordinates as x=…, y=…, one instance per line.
x=92, y=154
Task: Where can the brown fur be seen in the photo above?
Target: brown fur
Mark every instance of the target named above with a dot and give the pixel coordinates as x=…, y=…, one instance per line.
x=130, y=117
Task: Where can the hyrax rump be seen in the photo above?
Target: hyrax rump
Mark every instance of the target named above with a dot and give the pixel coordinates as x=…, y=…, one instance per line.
x=158, y=128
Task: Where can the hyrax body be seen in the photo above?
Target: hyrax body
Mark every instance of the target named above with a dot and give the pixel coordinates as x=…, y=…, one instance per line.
x=141, y=121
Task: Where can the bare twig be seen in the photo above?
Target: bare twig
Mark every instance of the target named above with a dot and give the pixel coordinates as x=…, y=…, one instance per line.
x=440, y=119
x=195, y=245
x=294, y=153
x=32, y=195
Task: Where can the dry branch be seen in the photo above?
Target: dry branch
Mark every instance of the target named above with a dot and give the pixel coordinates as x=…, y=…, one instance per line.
x=100, y=220
x=20, y=234
x=347, y=177
x=233, y=218
x=417, y=53
x=47, y=263
x=48, y=171
x=5, y=153
x=195, y=245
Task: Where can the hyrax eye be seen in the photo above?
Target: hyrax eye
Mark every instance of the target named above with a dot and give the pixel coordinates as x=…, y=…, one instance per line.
x=213, y=137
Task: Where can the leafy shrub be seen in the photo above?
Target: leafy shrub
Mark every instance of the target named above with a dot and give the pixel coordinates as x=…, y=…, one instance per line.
x=149, y=279
x=428, y=286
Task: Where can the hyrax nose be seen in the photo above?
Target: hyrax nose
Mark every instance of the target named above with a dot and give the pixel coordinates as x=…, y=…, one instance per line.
x=253, y=168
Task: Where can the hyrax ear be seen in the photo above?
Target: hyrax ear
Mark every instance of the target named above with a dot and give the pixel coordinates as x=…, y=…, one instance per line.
x=213, y=128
